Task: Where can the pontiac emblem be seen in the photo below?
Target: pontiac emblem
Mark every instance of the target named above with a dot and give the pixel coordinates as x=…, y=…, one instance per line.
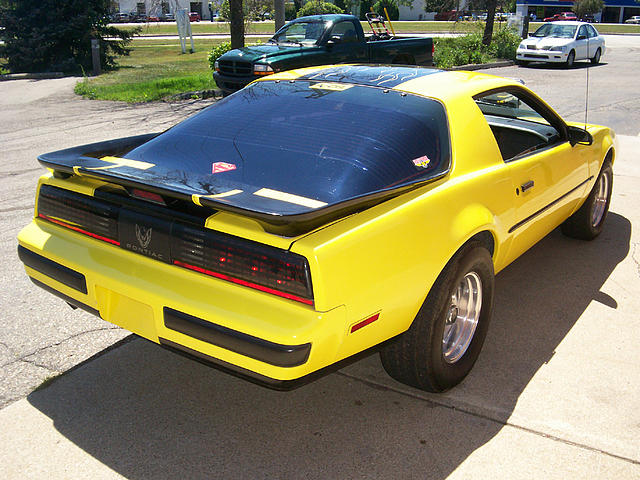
x=143, y=235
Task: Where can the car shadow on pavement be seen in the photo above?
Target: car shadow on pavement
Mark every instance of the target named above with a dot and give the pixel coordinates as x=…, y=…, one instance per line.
x=561, y=66
x=147, y=413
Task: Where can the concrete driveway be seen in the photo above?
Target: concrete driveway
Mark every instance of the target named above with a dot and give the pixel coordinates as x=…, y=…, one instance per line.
x=554, y=394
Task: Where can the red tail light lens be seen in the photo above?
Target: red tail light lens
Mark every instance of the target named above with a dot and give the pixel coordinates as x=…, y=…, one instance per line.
x=241, y=261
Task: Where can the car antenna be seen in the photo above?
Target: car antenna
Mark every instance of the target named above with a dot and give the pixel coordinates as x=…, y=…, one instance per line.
x=586, y=97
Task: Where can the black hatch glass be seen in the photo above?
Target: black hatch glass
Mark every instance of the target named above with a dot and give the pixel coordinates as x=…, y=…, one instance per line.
x=285, y=148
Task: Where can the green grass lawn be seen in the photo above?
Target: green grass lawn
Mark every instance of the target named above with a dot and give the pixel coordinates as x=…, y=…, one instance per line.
x=155, y=69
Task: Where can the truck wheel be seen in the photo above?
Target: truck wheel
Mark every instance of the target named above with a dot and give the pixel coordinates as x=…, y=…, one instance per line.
x=587, y=222
x=445, y=338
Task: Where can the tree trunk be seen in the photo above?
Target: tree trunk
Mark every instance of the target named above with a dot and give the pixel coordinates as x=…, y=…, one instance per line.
x=488, y=28
x=279, y=13
x=237, y=23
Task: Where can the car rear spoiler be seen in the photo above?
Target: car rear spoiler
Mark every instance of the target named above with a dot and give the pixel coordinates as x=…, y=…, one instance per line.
x=85, y=161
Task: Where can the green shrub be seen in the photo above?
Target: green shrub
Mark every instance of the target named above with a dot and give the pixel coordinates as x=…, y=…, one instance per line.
x=468, y=49
x=317, y=7
x=505, y=43
x=218, y=51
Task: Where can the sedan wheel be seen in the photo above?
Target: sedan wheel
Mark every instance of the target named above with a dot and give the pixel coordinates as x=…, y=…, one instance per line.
x=596, y=58
x=446, y=337
x=571, y=59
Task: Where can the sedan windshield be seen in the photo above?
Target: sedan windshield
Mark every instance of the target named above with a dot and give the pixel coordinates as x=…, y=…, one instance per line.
x=556, y=31
x=300, y=33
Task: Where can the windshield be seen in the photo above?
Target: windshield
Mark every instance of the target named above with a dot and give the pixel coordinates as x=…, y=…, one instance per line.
x=302, y=33
x=306, y=144
x=555, y=31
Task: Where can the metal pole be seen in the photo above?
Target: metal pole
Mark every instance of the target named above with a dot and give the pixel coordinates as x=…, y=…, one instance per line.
x=95, y=56
x=278, y=6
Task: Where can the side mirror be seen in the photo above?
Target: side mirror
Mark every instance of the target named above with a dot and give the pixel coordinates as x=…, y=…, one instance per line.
x=582, y=37
x=580, y=136
x=334, y=39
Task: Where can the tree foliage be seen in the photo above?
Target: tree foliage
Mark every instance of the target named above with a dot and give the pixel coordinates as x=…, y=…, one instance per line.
x=390, y=5
x=584, y=7
x=50, y=35
x=318, y=7
x=440, y=5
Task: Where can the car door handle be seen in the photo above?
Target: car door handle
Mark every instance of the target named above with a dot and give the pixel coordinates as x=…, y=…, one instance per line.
x=526, y=186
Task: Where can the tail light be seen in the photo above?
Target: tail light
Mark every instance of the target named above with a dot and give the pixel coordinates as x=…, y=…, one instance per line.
x=234, y=259
x=241, y=261
x=80, y=213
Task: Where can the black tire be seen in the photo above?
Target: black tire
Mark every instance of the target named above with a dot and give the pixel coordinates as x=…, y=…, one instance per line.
x=417, y=356
x=587, y=222
x=571, y=58
x=596, y=58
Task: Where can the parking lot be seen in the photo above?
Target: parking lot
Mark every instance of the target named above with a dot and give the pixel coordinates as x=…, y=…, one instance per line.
x=554, y=394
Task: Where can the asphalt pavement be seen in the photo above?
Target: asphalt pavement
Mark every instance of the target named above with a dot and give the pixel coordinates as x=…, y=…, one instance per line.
x=554, y=394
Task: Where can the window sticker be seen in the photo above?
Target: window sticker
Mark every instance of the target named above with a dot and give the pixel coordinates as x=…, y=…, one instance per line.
x=219, y=167
x=334, y=87
x=421, y=162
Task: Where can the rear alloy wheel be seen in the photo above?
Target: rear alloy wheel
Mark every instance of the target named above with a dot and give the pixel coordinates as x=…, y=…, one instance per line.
x=571, y=58
x=596, y=58
x=445, y=338
x=587, y=222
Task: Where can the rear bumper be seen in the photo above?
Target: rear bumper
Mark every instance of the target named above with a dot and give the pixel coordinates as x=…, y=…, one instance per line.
x=273, y=340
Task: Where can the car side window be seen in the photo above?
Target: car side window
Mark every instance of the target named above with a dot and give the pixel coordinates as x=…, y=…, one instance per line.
x=592, y=31
x=346, y=31
x=582, y=32
x=518, y=127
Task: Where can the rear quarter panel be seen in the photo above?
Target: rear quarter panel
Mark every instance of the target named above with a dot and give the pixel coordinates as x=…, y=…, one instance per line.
x=385, y=259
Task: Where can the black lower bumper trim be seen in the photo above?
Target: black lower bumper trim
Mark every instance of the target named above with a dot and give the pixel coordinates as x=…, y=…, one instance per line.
x=262, y=380
x=58, y=272
x=71, y=301
x=250, y=346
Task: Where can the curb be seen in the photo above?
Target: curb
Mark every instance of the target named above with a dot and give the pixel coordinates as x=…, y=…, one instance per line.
x=31, y=76
x=200, y=95
x=481, y=66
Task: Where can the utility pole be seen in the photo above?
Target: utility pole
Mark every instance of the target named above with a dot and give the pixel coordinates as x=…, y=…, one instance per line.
x=278, y=6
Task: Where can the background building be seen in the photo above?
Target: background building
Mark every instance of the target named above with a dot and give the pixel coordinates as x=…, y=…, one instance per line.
x=614, y=11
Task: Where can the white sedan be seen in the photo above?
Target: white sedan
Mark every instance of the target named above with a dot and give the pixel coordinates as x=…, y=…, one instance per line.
x=562, y=42
x=635, y=19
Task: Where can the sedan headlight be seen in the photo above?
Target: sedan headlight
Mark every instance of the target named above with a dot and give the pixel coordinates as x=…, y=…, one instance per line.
x=557, y=49
x=261, y=69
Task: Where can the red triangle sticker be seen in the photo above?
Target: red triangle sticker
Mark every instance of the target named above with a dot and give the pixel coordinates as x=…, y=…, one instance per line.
x=220, y=167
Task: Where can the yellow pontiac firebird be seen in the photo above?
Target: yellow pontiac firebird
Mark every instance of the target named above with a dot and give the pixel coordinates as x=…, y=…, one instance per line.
x=316, y=214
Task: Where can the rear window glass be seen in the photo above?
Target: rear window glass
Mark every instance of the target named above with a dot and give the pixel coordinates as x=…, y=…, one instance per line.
x=322, y=141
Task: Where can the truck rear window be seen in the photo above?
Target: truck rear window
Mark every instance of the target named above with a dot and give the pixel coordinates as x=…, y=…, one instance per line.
x=312, y=143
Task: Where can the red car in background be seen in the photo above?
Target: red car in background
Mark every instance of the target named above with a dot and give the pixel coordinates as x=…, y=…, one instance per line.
x=568, y=16
x=194, y=17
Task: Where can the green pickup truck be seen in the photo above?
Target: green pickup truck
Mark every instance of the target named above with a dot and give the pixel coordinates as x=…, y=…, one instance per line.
x=317, y=40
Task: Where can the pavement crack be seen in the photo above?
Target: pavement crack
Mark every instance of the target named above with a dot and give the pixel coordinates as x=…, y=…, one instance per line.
x=26, y=357
x=19, y=172
x=16, y=209
x=467, y=411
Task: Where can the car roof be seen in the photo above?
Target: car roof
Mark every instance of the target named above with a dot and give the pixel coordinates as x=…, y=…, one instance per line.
x=570, y=22
x=430, y=82
x=329, y=17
